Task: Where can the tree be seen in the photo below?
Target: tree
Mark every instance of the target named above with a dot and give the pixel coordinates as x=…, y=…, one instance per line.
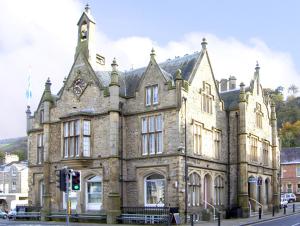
x=293, y=89
x=20, y=154
x=290, y=134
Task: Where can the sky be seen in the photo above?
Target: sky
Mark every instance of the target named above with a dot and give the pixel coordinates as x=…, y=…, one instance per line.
x=39, y=37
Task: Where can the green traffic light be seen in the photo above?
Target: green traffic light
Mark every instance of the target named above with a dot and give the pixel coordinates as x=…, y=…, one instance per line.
x=76, y=187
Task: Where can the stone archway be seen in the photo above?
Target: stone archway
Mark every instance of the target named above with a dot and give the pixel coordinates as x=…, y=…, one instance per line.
x=207, y=193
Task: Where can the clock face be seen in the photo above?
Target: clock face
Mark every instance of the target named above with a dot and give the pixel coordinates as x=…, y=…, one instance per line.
x=78, y=86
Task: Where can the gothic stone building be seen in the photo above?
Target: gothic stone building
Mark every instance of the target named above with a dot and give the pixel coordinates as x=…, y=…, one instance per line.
x=155, y=136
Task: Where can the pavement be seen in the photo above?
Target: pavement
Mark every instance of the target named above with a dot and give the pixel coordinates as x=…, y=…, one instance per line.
x=280, y=219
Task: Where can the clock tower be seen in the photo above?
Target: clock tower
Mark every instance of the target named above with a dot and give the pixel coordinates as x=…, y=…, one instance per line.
x=86, y=43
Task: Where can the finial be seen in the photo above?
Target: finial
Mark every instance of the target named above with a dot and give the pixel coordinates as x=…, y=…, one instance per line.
x=87, y=8
x=152, y=54
x=178, y=74
x=257, y=67
x=114, y=80
x=204, y=43
x=65, y=80
x=28, y=110
x=114, y=64
x=242, y=86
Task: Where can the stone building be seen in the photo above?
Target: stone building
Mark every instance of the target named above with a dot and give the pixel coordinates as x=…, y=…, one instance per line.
x=13, y=184
x=290, y=171
x=155, y=136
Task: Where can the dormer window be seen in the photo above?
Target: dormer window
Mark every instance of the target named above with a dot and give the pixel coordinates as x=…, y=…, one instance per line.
x=83, y=31
x=151, y=95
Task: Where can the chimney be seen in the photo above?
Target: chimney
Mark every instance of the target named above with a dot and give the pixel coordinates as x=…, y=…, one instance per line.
x=232, y=82
x=224, y=85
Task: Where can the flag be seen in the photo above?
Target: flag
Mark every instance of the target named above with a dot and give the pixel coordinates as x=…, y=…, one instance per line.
x=28, y=90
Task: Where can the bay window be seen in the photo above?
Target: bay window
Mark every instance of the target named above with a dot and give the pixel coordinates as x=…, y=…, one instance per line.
x=77, y=138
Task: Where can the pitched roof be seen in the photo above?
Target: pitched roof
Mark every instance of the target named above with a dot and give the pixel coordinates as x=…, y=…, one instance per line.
x=231, y=99
x=130, y=80
x=290, y=155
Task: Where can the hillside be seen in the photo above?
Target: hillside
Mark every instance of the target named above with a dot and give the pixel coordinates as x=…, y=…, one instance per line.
x=14, y=146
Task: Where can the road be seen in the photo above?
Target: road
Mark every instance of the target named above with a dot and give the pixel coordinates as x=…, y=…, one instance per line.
x=293, y=220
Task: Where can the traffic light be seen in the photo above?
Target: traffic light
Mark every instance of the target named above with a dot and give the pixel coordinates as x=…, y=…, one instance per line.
x=76, y=181
x=62, y=180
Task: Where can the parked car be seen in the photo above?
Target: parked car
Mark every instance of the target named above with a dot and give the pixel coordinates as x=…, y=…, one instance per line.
x=283, y=202
x=12, y=214
x=3, y=214
x=291, y=197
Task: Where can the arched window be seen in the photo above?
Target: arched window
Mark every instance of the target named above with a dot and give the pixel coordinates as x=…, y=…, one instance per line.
x=155, y=190
x=83, y=31
x=219, y=190
x=94, y=195
x=194, y=190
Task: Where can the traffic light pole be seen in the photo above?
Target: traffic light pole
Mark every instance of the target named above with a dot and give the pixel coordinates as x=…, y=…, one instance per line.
x=67, y=196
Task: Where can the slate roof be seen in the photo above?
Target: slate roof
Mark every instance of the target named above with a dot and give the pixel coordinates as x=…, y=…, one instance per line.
x=130, y=80
x=290, y=155
x=231, y=99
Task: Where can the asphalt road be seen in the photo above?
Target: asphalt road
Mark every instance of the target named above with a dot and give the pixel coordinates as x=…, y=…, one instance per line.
x=293, y=220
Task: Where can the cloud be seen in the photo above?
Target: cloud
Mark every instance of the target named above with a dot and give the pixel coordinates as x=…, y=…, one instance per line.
x=43, y=34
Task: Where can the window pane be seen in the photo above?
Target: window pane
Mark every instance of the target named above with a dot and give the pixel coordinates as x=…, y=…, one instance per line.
x=155, y=192
x=155, y=94
x=86, y=146
x=77, y=146
x=66, y=146
x=72, y=146
x=66, y=130
x=159, y=145
x=144, y=125
x=152, y=143
x=86, y=127
x=148, y=96
x=77, y=127
x=72, y=128
x=94, y=192
x=145, y=145
x=151, y=124
x=158, y=123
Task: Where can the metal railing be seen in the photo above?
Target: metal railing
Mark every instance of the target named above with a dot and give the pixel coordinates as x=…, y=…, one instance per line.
x=258, y=203
x=214, y=209
x=145, y=215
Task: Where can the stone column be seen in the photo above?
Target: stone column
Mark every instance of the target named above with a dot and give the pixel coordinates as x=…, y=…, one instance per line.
x=243, y=198
x=114, y=198
x=47, y=101
x=275, y=160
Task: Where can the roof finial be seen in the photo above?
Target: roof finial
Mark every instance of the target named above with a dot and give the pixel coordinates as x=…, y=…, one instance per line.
x=257, y=67
x=152, y=54
x=114, y=64
x=87, y=8
x=114, y=80
x=204, y=43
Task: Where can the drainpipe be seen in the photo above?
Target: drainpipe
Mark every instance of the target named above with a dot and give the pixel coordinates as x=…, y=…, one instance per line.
x=121, y=154
x=185, y=163
x=228, y=161
x=237, y=156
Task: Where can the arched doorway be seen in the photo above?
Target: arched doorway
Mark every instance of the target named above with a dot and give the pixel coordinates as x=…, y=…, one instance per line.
x=207, y=190
x=252, y=181
x=154, y=190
